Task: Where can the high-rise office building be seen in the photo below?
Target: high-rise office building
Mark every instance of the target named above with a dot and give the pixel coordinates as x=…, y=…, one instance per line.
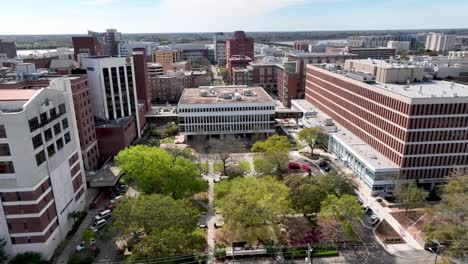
x=41, y=170
x=112, y=87
x=393, y=133
x=240, y=45
x=219, y=43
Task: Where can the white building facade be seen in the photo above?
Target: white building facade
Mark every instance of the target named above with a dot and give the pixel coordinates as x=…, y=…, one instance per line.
x=112, y=87
x=440, y=42
x=226, y=110
x=399, y=46
x=41, y=170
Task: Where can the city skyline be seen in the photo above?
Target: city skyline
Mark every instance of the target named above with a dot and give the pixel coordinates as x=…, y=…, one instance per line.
x=168, y=16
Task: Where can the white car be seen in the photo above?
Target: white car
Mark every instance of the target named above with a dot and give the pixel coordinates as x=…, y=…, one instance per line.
x=374, y=219
x=98, y=225
x=116, y=199
x=80, y=247
x=103, y=215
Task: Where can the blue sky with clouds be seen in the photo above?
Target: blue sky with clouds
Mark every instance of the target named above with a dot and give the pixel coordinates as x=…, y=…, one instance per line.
x=136, y=16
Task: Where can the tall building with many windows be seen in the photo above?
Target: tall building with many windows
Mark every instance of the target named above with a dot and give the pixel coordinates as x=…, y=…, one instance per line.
x=418, y=130
x=41, y=170
x=440, y=42
x=112, y=87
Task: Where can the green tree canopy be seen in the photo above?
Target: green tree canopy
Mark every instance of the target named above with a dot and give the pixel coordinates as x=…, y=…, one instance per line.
x=27, y=258
x=306, y=193
x=275, y=150
x=410, y=196
x=344, y=209
x=448, y=220
x=157, y=171
x=251, y=207
x=313, y=137
x=160, y=225
x=338, y=183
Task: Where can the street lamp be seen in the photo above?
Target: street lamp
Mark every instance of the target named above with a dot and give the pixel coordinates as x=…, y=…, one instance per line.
x=436, y=251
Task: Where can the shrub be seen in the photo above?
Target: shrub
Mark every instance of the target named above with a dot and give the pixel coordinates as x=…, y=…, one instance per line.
x=77, y=223
x=27, y=257
x=235, y=171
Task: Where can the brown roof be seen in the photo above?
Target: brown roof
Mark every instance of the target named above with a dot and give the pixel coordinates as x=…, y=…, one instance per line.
x=16, y=94
x=193, y=95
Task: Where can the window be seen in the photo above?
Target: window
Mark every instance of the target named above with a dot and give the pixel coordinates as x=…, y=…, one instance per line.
x=59, y=143
x=37, y=141
x=4, y=150
x=53, y=113
x=65, y=123
x=67, y=137
x=51, y=150
x=61, y=109
x=57, y=129
x=48, y=134
x=6, y=167
x=2, y=131
x=43, y=117
x=33, y=124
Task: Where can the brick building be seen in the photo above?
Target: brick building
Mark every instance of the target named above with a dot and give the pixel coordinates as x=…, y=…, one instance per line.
x=239, y=52
x=416, y=130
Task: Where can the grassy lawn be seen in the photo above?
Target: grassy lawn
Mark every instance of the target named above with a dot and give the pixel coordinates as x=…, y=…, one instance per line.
x=245, y=165
x=168, y=140
x=218, y=166
x=205, y=167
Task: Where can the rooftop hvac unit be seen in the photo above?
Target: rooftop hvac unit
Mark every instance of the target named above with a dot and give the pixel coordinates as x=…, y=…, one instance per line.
x=328, y=122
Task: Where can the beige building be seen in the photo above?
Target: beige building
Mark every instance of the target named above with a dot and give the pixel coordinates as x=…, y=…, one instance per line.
x=386, y=72
x=166, y=56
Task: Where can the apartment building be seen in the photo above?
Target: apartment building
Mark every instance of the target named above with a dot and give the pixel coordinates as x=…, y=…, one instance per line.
x=237, y=64
x=263, y=74
x=416, y=130
x=226, y=110
x=41, y=170
x=167, y=56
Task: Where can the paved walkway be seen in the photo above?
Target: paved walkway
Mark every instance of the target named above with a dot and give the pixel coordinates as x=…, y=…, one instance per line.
x=412, y=249
x=211, y=220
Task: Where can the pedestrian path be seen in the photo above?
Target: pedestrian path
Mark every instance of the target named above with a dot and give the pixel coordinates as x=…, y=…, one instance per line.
x=211, y=220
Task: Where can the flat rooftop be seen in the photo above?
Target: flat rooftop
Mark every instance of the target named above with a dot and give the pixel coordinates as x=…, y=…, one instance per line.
x=224, y=95
x=385, y=64
x=415, y=90
x=17, y=94
x=321, y=54
x=360, y=148
x=432, y=89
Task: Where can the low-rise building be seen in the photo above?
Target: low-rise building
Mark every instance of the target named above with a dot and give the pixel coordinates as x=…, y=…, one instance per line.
x=167, y=56
x=372, y=53
x=226, y=110
x=399, y=46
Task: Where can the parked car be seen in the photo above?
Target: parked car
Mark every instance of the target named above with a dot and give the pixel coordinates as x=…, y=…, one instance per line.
x=103, y=215
x=203, y=223
x=322, y=163
x=116, y=199
x=111, y=207
x=374, y=219
x=219, y=222
x=294, y=165
x=306, y=168
x=366, y=207
x=98, y=225
x=80, y=247
x=327, y=168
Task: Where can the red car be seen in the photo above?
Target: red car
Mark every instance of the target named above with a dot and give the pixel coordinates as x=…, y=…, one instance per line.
x=306, y=168
x=111, y=206
x=294, y=165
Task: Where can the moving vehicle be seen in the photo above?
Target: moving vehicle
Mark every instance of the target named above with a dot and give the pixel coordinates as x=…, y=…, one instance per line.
x=103, y=215
x=98, y=225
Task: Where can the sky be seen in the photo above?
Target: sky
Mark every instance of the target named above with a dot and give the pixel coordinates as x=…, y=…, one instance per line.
x=160, y=16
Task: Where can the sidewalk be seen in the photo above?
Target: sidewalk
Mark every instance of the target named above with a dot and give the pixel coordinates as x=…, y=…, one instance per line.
x=410, y=250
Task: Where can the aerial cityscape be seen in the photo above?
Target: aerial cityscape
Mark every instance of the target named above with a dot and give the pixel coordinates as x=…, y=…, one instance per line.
x=248, y=131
